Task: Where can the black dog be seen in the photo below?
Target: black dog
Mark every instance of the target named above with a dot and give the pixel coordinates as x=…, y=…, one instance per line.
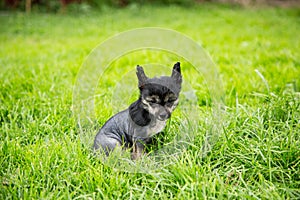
x=145, y=117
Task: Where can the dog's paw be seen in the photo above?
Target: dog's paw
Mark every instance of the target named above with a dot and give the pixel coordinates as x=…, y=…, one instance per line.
x=136, y=156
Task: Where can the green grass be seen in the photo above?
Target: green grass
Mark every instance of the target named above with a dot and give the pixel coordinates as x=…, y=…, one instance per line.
x=42, y=155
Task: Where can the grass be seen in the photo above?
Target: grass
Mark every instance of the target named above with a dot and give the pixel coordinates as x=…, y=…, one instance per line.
x=42, y=155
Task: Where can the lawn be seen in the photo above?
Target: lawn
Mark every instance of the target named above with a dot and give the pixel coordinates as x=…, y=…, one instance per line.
x=257, y=155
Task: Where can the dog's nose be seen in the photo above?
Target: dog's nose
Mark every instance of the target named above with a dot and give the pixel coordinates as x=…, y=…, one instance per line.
x=163, y=116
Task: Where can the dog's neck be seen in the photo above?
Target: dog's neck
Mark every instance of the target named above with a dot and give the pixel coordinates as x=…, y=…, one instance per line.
x=138, y=114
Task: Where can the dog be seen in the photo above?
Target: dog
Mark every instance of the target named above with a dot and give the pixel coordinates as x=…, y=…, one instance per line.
x=134, y=127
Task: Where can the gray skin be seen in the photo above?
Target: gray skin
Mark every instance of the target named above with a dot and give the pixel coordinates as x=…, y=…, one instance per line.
x=144, y=118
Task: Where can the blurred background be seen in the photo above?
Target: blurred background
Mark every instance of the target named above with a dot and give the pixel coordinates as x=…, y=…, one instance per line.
x=81, y=5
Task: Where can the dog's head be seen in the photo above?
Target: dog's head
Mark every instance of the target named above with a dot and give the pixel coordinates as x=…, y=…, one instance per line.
x=160, y=95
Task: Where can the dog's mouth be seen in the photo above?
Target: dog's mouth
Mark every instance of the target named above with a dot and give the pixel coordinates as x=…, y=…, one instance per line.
x=161, y=119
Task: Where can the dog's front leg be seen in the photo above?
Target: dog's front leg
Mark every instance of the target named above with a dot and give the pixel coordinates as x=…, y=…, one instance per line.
x=138, y=150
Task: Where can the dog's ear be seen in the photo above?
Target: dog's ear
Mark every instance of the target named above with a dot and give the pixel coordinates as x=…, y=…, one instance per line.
x=141, y=76
x=176, y=73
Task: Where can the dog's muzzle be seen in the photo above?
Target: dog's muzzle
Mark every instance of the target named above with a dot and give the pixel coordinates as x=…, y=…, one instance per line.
x=164, y=115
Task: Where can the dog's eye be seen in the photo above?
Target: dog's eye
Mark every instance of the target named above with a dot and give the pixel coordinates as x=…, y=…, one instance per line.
x=171, y=100
x=152, y=100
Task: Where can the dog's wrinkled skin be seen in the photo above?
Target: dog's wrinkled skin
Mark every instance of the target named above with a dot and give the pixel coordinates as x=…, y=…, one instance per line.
x=145, y=117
